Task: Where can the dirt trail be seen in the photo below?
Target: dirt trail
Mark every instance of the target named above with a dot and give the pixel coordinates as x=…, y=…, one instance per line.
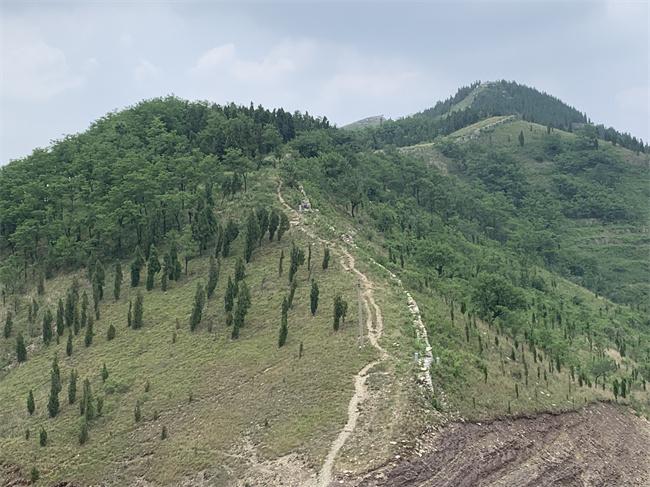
x=374, y=329
x=600, y=445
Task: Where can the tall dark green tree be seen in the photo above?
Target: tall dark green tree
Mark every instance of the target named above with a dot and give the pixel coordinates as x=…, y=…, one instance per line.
x=21, y=350
x=326, y=258
x=240, y=270
x=138, y=311
x=284, y=328
x=252, y=236
x=72, y=387
x=60, y=323
x=229, y=296
x=263, y=222
x=99, y=278
x=153, y=267
x=47, y=326
x=175, y=267
x=274, y=222
x=68, y=346
x=55, y=388
x=136, y=267
x=340, y=310
x=8, y=324
x=283, y=225
x=521, y=138
x=297, y=259
x=96, y=299
x=88, y=337
x=281, y=263
x=117, y=286
x=230, y=233
x=213, y=276
x=197, y=310
x=129, y=315
x=292, y=291
x=31, y=405
x=313, y=297
x=84, y=309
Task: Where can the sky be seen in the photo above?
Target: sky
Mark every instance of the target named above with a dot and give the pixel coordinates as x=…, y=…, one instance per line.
x=65, y=64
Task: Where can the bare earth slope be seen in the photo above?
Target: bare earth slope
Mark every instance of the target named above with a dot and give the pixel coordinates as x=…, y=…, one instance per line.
x=600, y=445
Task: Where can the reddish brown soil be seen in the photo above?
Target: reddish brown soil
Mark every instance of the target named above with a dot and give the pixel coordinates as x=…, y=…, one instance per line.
x=600, y=445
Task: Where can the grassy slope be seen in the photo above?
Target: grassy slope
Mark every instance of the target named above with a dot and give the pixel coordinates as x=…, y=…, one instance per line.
x=459, y=383
x=237, y=386
x=621, y=249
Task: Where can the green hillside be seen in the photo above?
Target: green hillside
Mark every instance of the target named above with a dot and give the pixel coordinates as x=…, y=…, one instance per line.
x=525, y=248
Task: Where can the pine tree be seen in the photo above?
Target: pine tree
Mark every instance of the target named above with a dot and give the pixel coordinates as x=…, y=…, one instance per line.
x=96, y=299
x=72, y=387
x=40, y=287
x=313, y=297
x=42, y=437
x=213, y=276
x=136, y=267
x=153, y=267
x=21, y=350
x=104, y=373
x=99, y=279
x=340, y=310
x=244, y=296
x=83, y=432
x=110, y=333
x=230, y=233
x=69, y=309
x=297, y=259
x=138, y=311
x=47, y=327
x=118, y=280
x=274, y=222
x=60, y=325
x=31, y=406
x=292, y=291
x=53, y=401
x=240, y=270
x=129, y=316
x=521, y=138
x=88, y=338
x=87, y=406
x=238, y=321
x=84, y=310
x=174, y=263
x=280, y=265
x=309, y=258
x=8, y=324
x=252, y=236
x=283, y=226
x=263, y=222
x=68, y=346
x=229, y=296
x=284, y=329
x=197, y=311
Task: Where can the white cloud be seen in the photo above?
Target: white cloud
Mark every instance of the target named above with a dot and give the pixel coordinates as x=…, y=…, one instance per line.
x=146, y=71
x=282, y=60
x=32, y=69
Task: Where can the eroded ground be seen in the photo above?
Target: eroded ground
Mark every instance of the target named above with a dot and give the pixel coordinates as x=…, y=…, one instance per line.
x=600, y=445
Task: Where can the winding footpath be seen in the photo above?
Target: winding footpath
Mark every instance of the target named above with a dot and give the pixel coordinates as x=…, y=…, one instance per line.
x=374, y=328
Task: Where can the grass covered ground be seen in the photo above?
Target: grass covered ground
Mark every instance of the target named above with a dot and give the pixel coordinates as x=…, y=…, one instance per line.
x=210, y=392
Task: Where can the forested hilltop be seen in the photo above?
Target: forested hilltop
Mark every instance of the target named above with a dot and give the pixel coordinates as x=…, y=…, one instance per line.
x=189, y=274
